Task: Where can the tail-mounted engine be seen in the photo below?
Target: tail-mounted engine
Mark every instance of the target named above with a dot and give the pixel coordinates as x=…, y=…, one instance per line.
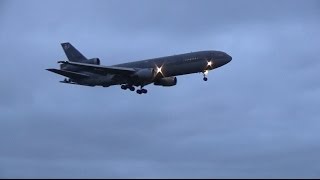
x=95, y=61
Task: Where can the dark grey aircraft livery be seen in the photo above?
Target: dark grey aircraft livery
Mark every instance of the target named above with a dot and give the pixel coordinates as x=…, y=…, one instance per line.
x=160, y=71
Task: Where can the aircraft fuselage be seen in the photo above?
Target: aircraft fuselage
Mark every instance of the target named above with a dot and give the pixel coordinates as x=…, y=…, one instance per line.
x=176, y=65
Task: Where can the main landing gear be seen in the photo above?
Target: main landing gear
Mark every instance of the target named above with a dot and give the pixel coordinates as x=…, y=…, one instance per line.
x=139, y=91
x=125, y=87
x=142, y=91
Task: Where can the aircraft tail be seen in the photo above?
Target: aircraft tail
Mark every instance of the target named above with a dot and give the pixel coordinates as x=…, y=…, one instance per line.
x=72, y=53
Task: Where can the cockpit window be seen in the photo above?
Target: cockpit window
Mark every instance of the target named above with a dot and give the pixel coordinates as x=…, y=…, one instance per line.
x=220, y=54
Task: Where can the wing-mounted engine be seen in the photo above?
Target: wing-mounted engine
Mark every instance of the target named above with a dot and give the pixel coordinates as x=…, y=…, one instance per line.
x=146, y=74
x=95, y=61
x=166, y=81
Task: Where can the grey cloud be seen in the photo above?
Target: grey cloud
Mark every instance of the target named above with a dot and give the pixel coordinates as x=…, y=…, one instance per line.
x=256, y=117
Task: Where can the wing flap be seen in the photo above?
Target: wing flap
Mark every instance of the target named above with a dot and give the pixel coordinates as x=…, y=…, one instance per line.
x=72, y=75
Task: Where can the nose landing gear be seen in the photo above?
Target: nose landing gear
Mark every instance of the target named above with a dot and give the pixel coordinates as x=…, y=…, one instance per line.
x=205, y=73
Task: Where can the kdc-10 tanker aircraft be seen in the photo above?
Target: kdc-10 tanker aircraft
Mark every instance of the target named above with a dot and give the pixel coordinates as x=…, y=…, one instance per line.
x=162, y=71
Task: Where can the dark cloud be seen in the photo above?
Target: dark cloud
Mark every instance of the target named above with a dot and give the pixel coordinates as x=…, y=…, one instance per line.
x=256, y=117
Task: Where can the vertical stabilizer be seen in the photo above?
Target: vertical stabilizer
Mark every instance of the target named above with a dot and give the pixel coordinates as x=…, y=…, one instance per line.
x=72, y=53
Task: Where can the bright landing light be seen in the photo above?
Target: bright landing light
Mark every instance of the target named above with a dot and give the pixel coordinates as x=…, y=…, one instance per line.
x=159, y=70
x=209, y=63
x=206, y=72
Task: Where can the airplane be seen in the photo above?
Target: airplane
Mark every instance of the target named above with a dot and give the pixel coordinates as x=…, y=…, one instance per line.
x=160, y=71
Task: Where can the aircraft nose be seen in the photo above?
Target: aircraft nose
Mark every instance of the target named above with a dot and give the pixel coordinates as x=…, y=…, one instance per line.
x=228, y=59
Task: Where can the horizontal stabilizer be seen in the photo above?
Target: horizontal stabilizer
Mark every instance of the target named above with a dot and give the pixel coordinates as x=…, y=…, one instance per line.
x=72, y=75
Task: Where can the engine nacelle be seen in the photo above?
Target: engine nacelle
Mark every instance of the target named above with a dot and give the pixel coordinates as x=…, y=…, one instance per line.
x=166, y=81
x=95, y=61
x=145, y=74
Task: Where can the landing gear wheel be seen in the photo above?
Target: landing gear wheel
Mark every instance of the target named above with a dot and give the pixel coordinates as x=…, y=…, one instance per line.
x=144, y=91
x=131, y=88
x=139, y=91
x=124, y=87
x=205, y=79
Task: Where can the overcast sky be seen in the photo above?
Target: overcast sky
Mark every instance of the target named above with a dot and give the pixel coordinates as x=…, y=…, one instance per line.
x=256, y=117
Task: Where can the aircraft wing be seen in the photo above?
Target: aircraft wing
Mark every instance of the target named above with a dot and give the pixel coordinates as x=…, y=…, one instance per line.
x=102, y=69
x=72, y=75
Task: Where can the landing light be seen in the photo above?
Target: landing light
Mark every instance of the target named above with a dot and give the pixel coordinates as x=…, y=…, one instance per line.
x=209, y=63
x=159, y=69
x=206, y=72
